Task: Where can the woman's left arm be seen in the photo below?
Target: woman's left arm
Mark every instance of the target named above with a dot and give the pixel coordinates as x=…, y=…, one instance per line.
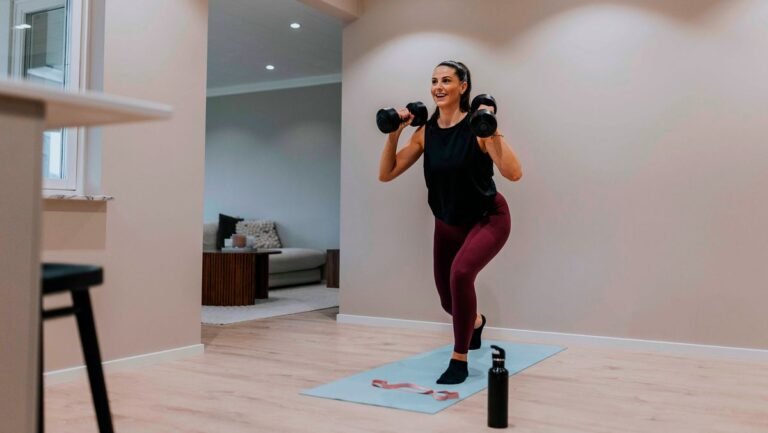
x=502, y=155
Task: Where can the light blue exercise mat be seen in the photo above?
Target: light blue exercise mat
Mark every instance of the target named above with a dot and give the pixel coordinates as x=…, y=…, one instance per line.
x=423, y=370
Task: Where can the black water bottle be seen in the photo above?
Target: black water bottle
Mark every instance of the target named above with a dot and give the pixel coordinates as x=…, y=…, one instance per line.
x=498, y=390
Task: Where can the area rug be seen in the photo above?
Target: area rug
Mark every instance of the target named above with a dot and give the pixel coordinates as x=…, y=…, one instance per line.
x=281, y=302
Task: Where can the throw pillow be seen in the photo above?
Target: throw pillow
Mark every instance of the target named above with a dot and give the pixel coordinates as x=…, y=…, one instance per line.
x=227, y=227
x=263, y=231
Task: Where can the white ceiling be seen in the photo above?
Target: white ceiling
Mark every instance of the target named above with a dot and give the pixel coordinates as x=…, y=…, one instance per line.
x=246, y=35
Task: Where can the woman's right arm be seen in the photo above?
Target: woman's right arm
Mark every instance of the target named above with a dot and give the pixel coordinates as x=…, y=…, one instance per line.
x=394, y=163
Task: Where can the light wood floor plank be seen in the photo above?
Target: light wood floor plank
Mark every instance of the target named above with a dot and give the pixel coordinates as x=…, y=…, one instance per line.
x=250, y=376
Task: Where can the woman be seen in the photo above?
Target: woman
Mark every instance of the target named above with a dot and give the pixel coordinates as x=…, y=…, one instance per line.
x=471, y=218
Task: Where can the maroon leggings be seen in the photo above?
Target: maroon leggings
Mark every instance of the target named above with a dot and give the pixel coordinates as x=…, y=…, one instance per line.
x=460, y=252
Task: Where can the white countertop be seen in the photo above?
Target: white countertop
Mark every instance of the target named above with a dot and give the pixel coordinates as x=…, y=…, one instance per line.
x=68, y=108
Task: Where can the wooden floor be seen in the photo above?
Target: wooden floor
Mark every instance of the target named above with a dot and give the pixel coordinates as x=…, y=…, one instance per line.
x=250, y=376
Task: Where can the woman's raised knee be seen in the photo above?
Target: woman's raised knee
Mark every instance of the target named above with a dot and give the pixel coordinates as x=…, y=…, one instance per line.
x=462, y=276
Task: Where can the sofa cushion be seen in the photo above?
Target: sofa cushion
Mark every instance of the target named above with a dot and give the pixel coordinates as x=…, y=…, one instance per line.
x=306, y=276
x=295, y=259
x=264, y=233
x=227, y=225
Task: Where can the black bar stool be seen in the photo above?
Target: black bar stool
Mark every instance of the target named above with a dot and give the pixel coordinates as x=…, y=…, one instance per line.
x=77, y=279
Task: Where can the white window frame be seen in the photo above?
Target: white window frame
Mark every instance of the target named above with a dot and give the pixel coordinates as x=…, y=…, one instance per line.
x=75, y=79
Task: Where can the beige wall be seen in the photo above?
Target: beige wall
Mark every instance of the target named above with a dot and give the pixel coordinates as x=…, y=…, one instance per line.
x=149, y=237
x=641, y=127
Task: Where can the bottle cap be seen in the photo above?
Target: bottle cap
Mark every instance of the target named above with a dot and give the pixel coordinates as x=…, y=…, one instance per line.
x=498, y=355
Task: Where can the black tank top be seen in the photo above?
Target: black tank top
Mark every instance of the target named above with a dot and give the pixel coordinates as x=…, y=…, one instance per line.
x=458, y=174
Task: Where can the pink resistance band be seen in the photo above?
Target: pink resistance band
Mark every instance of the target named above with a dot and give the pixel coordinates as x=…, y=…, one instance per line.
x=438, y=395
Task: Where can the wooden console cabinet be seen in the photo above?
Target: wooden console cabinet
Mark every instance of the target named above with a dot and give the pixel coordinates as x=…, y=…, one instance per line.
x=235, y=278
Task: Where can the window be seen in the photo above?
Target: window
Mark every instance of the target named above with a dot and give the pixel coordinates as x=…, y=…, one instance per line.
x=41, y=41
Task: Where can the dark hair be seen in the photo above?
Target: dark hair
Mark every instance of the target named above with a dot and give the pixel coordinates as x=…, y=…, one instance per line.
x=463, y=73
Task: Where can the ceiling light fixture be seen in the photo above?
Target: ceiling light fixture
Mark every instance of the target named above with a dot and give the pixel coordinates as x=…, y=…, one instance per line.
x=295, y=25
x=270, y=67
x=22, y=26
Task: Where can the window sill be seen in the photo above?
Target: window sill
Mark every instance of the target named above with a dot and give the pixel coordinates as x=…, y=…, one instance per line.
x=77, y=197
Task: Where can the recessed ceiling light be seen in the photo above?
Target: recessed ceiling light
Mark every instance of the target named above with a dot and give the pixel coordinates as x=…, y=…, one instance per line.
x=270, y=67
x=22, y=26
x=295, y=25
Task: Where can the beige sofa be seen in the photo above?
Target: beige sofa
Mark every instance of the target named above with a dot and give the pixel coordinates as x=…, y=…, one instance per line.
x=293, y=266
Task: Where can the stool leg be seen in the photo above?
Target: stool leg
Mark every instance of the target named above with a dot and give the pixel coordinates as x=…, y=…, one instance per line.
x=85, y=324
x=40, y=397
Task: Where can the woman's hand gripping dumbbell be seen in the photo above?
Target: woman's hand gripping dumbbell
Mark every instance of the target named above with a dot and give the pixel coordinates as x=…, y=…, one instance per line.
x=483, y=120
x=390, y=120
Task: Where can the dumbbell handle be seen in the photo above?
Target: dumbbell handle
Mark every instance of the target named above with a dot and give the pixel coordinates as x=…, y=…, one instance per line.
x=405, y=115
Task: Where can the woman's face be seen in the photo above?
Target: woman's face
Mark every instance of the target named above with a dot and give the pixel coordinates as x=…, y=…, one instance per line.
x=446, y=87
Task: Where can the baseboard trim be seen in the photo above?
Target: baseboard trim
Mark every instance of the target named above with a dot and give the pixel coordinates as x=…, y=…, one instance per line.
x=131, y=362
x=564, y=339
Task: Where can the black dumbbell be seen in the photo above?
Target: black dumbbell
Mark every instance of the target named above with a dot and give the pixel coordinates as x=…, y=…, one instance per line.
x=388, y=120
x=483, y=122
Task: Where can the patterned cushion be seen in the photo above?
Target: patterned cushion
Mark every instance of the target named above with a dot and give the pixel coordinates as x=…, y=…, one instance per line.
x=264, y=232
